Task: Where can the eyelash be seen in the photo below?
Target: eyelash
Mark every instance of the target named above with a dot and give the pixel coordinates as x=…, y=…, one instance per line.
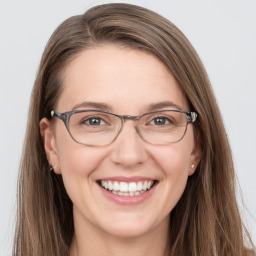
x=166, y=119
x=89, y=119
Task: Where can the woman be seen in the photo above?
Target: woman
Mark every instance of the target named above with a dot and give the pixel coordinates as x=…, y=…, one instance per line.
x=126, y=152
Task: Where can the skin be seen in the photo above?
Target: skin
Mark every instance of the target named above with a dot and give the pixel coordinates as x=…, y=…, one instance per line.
x=128, y=81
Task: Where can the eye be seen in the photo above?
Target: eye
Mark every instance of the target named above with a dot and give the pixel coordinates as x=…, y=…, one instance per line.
x=94, y=121
x=160, y=120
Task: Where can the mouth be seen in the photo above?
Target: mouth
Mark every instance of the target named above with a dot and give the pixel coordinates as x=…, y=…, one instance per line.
x=127, y=189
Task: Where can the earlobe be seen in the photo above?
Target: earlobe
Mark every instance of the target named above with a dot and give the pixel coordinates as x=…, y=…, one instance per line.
x=49, y=145
x=195, y=159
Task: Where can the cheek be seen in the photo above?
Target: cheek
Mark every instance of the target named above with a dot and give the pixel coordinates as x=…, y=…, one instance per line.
x=176, y=158
x=175, y=169
x=173, y=160
x=79, y=161
x=78, y=164
x=76, y=159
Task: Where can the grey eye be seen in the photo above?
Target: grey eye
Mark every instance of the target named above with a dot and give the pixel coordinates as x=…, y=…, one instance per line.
x=160, y=121
x=94, y=121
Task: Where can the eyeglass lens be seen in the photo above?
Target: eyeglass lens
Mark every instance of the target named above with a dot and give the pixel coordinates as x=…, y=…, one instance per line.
x=97, y=128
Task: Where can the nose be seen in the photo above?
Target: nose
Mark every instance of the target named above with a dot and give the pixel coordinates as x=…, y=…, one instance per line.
x=128, y=150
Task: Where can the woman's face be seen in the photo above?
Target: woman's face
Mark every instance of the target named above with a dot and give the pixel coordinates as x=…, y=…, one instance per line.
x=126, y=82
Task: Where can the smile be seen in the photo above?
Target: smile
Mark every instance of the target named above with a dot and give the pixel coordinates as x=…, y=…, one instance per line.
x=127, y=188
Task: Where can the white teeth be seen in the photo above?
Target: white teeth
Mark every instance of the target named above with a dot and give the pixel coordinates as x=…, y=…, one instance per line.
x=110, y=186
x=124, y=187
x=127, y=188
x=116, y=186
x=150, y=183
x=104, y=184
x=127, y=194
x=139, y=186
x=132, y=187
x=145, y=186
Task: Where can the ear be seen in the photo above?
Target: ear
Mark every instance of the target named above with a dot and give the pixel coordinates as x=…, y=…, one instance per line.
x=195, y=158
x=48, y=137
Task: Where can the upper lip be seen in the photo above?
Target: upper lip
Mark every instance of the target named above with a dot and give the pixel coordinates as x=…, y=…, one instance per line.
x=127, y=179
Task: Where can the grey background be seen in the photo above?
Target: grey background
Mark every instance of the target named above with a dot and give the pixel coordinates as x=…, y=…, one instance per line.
x=224, y=34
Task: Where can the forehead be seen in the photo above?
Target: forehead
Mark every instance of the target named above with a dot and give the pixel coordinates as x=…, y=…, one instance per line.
x=125, y=79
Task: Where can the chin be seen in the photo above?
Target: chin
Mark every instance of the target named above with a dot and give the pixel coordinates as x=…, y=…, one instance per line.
x=128, y=231
x=133, y=227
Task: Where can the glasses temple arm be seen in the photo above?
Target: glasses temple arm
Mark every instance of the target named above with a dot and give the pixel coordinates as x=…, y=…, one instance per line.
x=58, y=115
x=191, y=117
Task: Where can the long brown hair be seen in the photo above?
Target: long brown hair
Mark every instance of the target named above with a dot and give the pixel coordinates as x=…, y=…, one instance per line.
x=206, y=220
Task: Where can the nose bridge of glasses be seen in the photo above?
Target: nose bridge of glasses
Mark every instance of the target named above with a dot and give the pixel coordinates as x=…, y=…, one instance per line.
x=129, y=118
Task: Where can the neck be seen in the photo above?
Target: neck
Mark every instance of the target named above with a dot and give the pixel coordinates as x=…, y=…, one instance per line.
x=90, y=240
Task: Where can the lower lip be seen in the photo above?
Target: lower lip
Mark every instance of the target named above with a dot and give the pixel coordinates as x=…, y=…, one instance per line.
x=127, y=200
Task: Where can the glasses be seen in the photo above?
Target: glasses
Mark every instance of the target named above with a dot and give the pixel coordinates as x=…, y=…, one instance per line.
x=99, y=128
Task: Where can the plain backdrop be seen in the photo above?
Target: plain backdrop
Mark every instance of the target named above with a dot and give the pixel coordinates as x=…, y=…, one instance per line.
x=223, y=33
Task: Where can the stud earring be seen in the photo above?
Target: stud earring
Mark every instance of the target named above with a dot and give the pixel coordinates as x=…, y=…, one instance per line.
x=192, y=166
x=53, y=167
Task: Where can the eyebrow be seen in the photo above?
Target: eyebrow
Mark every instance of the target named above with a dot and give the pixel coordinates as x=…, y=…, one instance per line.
x=106, y=107
x=94, y=105
x=163, y=104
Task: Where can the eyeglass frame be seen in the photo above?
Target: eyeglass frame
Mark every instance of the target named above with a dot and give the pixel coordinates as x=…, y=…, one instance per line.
x=65, y=117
